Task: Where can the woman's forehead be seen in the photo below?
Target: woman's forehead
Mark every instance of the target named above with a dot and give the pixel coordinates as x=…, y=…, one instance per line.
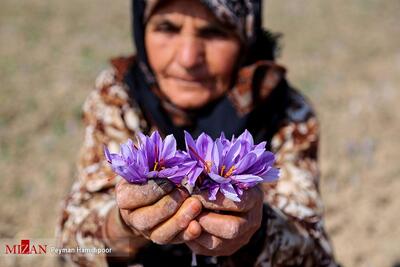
x=178, y=9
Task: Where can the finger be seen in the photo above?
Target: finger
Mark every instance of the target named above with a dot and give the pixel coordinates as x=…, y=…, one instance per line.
x=169, y=229
x=223, y=226
x=210, y=245
x=254, y=216
x=192, y=232
x=125, y=216
x=132, y=196
x=200, y=250
x=209, y=248
x=248, y=199
x=209, y=241
x=148, y=217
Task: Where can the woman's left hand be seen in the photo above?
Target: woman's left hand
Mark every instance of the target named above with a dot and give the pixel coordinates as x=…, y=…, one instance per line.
x=227, y=225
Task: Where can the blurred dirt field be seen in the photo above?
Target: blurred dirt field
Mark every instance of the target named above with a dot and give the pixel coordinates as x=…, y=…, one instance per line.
x=344, y=55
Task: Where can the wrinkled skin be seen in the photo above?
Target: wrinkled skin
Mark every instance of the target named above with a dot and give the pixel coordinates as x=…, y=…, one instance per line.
x=159, y=211
x=191, y=54
x=165, y=214
x=227, y=225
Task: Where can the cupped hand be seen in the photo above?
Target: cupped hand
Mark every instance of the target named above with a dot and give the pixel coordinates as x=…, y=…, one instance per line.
x=227, y=225
x=159, y=211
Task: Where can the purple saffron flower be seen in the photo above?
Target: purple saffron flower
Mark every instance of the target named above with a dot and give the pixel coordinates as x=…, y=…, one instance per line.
x=200, y=152
x=232, y=166
x=152, y=158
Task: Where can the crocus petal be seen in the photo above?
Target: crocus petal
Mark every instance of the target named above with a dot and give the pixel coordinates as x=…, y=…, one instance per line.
x=204, y=146
x=229, y=192
x=269, y=158
x=246, y=141
x=186, y=167
x=156, y=138
x=176, y=179
x=141, y=139
x=247, y=178
x=239, y=191
x=168, y=147
x=157, y=142
x=194, y=174
x=120, y=171
x=190, y=145
x=141, y=158
x=129, y=174
x=152, y=174
x=117, y=160
x=167, y=172
x=246, y=162
x=134, y=171
x=189, y=139
x=262, y=163
x=245, y=186
x=233, y=152
x=212, y=192
x=260, y=146
x=271, y=175
x=126, y=152
x=150, y=150
x=258, y=152
x=247, y=137
x=143, y=170
x=175, y=160
x=219, y=179
x=216, y=156
x=107, y=154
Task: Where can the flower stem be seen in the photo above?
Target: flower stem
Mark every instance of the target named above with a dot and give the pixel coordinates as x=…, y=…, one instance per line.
x=194, y=259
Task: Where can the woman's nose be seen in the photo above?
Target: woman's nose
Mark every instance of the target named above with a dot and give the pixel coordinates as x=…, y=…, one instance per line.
x=191, y=53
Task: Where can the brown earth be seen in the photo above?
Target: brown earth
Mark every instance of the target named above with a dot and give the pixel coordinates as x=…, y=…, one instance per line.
x=345, y=55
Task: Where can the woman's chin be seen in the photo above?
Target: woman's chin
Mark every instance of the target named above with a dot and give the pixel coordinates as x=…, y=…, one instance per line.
x=190, y=101
x=187, y=97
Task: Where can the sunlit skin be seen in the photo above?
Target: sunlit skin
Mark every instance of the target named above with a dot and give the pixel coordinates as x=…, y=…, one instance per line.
x=193, y=57
x=191, y=53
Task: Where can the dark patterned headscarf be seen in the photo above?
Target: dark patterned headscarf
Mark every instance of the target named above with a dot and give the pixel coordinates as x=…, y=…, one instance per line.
x=243, y=15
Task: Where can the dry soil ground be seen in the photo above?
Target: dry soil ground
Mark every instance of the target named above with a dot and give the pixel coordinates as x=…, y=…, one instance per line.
x=345, y=55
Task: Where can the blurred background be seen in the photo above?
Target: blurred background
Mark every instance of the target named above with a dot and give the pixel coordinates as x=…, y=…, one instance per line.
x=344, y=55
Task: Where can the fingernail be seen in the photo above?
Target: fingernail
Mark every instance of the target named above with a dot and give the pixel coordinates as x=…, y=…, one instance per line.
x=195, y=206
x=194, y=230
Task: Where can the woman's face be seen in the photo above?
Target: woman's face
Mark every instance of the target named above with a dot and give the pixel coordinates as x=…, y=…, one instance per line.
x=192, y=55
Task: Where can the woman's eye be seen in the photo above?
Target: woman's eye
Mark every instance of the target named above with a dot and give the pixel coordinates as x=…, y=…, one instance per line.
x=167, y=27
x=213, y=32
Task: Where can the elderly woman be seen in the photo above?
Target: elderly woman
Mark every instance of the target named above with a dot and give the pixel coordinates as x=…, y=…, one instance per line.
x=201, y=66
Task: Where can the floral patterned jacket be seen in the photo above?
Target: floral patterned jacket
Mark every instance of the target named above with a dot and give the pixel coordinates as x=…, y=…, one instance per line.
x=292, y=231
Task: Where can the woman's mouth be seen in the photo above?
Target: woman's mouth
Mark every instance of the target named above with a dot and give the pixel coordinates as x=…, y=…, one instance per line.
x=189, y=81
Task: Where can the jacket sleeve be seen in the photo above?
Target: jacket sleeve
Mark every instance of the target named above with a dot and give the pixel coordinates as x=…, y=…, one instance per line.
x=109, y=120
x=292, y=230
x=294, y=227
x=295, y=234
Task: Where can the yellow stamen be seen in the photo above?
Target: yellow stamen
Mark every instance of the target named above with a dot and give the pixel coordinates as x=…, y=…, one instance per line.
x=222, y=170
x=208, y=166
x=155, y=166
x=230, y=171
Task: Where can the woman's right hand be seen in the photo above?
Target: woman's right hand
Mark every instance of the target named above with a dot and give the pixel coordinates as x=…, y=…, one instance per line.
x=159, y=211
